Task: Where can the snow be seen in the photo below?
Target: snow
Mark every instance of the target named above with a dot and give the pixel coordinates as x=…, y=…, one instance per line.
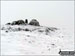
x=33, y=42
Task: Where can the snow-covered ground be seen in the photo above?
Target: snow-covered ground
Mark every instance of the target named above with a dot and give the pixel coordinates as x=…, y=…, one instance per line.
x=36, y=41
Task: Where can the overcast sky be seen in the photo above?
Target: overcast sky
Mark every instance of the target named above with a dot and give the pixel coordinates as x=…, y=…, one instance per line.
x=48, y=13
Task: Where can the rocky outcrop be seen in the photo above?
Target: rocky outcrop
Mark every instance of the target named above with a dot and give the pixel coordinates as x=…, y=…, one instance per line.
x=33, y=22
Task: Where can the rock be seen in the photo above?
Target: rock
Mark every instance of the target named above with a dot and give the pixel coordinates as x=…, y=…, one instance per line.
x=26, y=21
x=3, y=28
x=34, y=22
x=6, y=31
x=19, y=22
x=8, y=24
x=14, y=23
x=19, y=29
x=27, y=29
x=47, y=31
x=40, y=31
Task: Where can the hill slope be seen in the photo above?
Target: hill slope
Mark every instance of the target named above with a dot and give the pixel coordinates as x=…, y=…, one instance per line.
x=31, y=40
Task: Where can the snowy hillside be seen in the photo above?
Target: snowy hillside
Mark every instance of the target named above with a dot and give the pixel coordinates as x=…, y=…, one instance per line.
x=33, y=40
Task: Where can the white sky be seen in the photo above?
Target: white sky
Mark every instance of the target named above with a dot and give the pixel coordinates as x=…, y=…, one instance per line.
x=48, y=13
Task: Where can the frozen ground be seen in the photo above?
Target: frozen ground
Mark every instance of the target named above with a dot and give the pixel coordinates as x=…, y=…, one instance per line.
x=34, y=41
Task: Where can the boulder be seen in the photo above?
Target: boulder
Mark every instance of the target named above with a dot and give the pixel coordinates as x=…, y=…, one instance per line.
x=34, y=22
x=27, y=29
x=14, y=23
x=26, y=21
x=19, y=22
x=8, y=24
